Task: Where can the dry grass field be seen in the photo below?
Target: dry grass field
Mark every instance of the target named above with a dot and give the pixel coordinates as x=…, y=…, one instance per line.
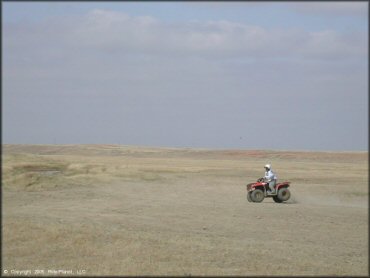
x=125, y=210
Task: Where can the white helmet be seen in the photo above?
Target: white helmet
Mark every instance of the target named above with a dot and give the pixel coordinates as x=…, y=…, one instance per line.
x=268, y=166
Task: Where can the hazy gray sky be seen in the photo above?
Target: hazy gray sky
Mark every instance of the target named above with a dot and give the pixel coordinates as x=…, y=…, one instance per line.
x=245, y=75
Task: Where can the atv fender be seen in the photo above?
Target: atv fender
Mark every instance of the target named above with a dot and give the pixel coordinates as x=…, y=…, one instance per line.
x=282, y=185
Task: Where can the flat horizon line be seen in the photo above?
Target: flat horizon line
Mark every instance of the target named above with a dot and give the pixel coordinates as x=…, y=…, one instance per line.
x=191, y=148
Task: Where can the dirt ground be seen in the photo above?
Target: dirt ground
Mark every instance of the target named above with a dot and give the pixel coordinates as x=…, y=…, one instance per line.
x=125, y=210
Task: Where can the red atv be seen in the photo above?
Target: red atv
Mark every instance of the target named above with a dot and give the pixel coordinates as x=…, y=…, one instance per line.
x=257, y=191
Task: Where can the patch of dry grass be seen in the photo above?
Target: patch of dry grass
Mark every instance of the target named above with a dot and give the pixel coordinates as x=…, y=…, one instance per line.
x=119, y=210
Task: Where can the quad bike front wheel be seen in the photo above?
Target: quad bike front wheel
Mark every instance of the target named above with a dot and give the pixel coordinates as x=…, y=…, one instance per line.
x=282, y=195
x=249, y=197
x=257, y=196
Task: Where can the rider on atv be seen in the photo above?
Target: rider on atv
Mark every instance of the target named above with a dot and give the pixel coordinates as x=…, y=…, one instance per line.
x=270, y=178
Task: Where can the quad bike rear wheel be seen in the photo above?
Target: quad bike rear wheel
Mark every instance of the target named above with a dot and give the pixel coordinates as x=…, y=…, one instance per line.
x=257, y=196
x=276, y=199
x=283, y=195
